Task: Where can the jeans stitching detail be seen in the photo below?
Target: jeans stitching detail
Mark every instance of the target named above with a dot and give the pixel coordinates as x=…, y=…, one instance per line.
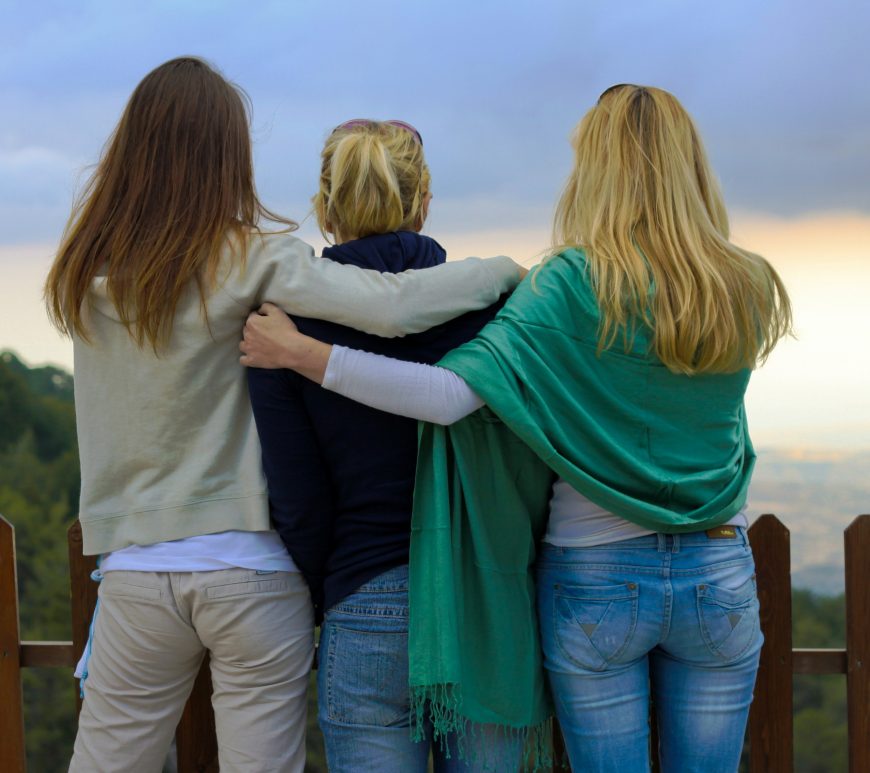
x=668, y=610
x=339, y=611
x=607, y=660
x=750, y=607
x=333, y=714
x=662, y=570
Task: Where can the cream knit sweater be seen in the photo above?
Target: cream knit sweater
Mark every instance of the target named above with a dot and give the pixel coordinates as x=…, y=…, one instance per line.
x=167, y=443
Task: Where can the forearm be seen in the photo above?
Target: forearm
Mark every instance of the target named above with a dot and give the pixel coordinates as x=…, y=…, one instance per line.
x=424, y=392
x=426, y=300
x=309, y=358
x=387, y=304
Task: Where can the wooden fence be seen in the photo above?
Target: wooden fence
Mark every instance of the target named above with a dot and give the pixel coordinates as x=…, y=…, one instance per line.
x=770, y=720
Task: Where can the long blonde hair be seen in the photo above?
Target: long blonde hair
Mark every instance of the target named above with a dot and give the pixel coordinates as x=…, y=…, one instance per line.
x=643, y=203
x=373, y=179
x=174, y=183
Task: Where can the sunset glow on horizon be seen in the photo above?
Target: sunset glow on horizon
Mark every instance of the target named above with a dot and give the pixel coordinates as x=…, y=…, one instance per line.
x=812, y=393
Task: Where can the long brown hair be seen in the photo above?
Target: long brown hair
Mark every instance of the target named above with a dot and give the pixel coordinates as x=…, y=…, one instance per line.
x=174, y=184
x=643, y=202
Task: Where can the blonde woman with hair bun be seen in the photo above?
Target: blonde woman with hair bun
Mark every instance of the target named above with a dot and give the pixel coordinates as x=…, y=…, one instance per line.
x=341, y=475
x=587, y=465
x=373, y=180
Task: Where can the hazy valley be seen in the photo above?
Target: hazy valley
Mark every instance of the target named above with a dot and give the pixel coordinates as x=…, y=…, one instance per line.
x=817, y=495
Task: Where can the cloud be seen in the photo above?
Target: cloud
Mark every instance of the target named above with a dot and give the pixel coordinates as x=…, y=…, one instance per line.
x=495, y=88
x=36, y=190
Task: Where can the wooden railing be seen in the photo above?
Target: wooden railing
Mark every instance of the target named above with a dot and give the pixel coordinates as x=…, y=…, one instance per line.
x=770, y=720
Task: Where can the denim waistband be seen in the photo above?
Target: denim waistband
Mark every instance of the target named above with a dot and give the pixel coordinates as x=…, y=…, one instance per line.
x=724, y=536
x=395, y=579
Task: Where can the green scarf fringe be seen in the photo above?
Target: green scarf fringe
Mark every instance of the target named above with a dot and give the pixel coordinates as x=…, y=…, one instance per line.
x=441, y=705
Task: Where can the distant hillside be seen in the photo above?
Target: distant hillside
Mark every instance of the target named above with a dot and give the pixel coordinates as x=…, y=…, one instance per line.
x=817, y=495
x=37, y=403
x=46, y=381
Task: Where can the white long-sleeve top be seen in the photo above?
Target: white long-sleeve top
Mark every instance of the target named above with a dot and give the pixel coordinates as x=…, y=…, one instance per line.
x=440, y=396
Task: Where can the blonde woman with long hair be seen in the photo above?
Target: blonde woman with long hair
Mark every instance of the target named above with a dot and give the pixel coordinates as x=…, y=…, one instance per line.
x=607, y=421
x=163, y=259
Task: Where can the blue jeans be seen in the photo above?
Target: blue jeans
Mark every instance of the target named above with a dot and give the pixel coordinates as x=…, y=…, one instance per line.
x=668, y=618
x=363, y=696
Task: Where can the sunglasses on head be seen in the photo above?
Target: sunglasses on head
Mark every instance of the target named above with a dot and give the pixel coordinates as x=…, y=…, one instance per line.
x=617, y=87
x=368, y=122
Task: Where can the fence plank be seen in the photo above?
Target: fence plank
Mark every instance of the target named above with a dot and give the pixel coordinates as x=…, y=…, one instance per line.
x=808, y=661
x=770, y=717
x=47, y=654
x=83, y=594
x=195, y=740
x=857, y=549
x=12, y=754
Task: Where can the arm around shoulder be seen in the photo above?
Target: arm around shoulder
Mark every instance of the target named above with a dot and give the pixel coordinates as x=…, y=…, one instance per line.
x=387, y=305
x=436, y=295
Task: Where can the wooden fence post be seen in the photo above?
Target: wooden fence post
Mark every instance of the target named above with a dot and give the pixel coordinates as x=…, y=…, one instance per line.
x=771, y=734
x=12, y=749
x=12, y=755
x=857, y=552
x=83, y=594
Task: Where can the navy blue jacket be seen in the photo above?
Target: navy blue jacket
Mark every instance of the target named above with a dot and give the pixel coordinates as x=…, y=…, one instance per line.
x=341, y=474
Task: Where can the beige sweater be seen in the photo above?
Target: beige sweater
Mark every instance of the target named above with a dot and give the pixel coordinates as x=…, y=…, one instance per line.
x=168, y=444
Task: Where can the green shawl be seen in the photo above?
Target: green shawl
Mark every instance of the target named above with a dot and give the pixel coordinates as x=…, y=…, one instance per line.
x=666, y=451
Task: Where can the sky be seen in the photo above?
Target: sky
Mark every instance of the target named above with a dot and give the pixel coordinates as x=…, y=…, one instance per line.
x=495, y=88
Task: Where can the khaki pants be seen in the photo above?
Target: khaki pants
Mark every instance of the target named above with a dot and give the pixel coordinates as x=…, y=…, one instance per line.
x=150, y=635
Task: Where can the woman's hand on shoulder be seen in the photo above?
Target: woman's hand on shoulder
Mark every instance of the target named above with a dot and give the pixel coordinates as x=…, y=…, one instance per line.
x=271, y=340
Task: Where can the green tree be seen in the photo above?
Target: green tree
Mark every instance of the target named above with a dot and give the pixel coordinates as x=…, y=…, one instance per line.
x=819, y=700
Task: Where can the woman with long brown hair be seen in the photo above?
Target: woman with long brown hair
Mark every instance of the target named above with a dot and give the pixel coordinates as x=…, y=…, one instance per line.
x=162, y=260
x=610, y=456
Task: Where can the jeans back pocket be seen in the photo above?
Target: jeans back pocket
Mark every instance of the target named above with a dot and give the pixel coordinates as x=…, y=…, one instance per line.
x=367, y=677
x=593, y=625
x=729, y=618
